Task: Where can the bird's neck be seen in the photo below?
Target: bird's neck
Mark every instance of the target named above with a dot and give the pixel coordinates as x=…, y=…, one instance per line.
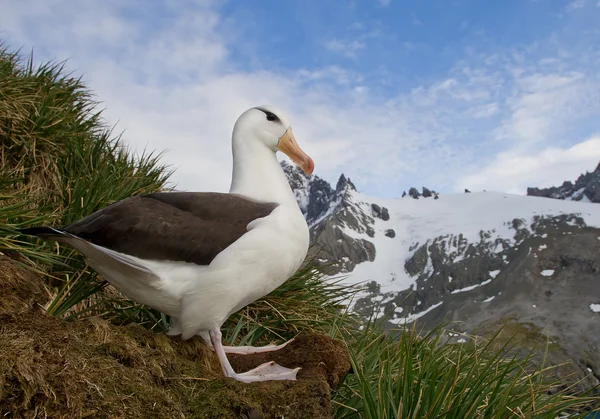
x=258, y=175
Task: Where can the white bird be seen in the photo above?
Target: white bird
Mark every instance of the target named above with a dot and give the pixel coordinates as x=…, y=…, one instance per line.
x=200, y=256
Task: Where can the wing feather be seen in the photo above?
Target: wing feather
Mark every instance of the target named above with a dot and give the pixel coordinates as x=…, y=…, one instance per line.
x=176, y=226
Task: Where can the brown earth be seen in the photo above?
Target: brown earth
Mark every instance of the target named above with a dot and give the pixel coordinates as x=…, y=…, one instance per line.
x=93, y=369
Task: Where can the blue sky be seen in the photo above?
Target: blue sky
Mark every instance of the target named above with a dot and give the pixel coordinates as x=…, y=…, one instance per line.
x=451, y=94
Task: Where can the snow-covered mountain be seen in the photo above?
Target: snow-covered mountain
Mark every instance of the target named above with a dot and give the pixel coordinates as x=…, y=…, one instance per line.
x=478, y=258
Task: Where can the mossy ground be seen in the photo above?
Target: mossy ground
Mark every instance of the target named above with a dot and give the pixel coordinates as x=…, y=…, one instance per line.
x=91, y=368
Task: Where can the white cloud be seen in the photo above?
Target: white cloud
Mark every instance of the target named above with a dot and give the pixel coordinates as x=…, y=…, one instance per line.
x=576, y=4
x=384, y=3
x=485, y=111
x=513, y=172
x=347, y=48
x=350, y=47
x=173, y=84
x=541, y=102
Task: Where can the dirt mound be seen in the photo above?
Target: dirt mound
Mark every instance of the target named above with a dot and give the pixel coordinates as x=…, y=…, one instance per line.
x=90, y=368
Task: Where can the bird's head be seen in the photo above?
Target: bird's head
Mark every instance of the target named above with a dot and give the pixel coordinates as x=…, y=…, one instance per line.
x=271, y=127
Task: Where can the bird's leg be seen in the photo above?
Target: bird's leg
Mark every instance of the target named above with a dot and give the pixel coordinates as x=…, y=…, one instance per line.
x=265, y=372
x=247, y=350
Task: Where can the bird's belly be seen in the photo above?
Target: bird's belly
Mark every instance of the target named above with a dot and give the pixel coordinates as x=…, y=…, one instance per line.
x=249, y=269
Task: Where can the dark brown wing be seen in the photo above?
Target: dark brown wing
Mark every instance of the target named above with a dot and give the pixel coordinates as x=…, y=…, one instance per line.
x=177, y=226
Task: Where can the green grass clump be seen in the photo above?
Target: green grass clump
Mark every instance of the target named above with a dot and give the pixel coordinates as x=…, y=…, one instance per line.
x=60, y=162
x=405, y=374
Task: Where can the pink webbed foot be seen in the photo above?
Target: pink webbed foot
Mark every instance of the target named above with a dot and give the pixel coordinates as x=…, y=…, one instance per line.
x=268, y=371
x=248, y=350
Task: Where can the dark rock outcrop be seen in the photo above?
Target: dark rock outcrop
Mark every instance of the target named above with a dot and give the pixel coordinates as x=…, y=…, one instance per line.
x=376, y=210
x=385, y=214
x=586, y=186
x=344, y=183
x=380, y=212
x=544, y=279
x=333, y=215
x=314, y=195
x=427, y=193
x=390, y=233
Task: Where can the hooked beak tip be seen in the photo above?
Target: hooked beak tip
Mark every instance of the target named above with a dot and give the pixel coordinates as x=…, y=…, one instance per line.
x=287, y=144
x=308, y=167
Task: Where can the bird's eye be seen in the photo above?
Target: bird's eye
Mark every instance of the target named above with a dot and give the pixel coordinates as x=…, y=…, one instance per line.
x=271, y=116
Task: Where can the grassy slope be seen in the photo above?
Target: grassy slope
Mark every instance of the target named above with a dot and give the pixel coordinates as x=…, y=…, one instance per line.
x=91, y=368
x=60, y=162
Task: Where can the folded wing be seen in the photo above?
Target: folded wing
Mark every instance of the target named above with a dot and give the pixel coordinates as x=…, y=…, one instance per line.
x=175, y=226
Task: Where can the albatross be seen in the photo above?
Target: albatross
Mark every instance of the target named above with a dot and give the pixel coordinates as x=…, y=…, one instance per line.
x=201, y=256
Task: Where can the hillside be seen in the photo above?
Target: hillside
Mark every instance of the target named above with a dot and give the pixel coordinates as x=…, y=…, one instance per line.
x=93, y=369
x=478, y=259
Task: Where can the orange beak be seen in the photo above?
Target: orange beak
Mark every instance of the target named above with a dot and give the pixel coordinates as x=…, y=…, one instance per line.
x=287, y=144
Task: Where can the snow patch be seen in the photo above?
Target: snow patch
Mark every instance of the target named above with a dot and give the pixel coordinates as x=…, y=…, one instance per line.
x=547, y=272
x=495, y=273
x=472, y=287
x=542, y=247
x=461, y=340
x=595, y=308
x=412, y=317
x=487, y=300
x=499, y=248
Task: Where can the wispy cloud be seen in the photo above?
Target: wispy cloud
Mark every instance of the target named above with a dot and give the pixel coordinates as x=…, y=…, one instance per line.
x=576, y=4
x=351, y=46
x=513, y=171
x=384, y=3
x=347, y=48
x=172, y=81
x=543, y=101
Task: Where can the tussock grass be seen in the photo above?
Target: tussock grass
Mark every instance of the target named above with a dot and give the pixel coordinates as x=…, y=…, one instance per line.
x=407, y=374
x=60, y=162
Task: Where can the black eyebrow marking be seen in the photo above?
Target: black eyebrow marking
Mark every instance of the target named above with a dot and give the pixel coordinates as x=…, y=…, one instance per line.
x=270, y=115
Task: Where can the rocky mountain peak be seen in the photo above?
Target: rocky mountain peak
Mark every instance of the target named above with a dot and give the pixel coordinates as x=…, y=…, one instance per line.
x=586, y=188
x=344, y=183
x=315, y=196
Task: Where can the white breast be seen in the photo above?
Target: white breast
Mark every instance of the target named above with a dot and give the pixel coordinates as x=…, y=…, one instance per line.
x=265, y=257
x=203, y=297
